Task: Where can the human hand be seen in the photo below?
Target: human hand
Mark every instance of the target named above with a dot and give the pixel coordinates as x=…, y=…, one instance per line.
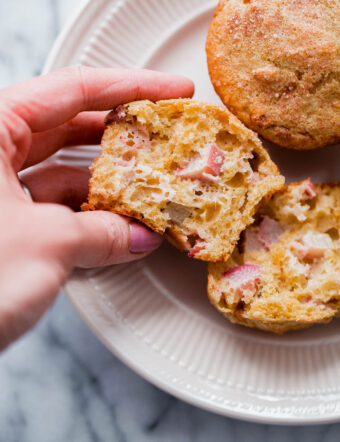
x=42, y=241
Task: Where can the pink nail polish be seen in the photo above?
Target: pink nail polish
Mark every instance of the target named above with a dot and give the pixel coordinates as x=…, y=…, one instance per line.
x=143, y=239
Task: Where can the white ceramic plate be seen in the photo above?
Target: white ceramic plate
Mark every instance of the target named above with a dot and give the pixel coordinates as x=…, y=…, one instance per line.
x=154, y=314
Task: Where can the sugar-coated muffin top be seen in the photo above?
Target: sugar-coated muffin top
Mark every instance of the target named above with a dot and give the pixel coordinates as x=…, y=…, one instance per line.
x=276, y=65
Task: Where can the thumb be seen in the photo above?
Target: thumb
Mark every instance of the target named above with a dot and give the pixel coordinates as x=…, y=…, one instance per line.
x=107, y=238
x=102, y=238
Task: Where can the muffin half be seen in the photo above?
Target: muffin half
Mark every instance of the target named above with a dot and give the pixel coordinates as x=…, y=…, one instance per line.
x=285, y=272
x=186, y=169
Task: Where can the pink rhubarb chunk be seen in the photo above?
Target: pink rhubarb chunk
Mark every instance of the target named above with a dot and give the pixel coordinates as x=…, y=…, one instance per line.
x=205, y=168
x=313, y=245
x=196, y=249
x=116, y=116
x=244, y=277
x=309, y=191
x=269, y=231
x=214, y=160
x=252, y=242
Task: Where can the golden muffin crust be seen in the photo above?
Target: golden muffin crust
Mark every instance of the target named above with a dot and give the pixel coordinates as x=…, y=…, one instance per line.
x=285, y=272
x=276, y=65
x=187, y=169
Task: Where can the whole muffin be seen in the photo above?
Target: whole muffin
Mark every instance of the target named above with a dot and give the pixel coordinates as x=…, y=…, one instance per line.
x=285, y=272
x=276, y=65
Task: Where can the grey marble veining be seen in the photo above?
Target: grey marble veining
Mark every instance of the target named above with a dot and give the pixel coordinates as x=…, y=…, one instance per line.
x=59, y=383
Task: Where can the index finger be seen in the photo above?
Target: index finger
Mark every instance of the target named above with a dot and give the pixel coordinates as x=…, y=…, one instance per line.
x=49, y=100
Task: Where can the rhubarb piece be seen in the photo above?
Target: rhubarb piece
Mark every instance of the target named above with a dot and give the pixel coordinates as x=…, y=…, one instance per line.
x=116, y=116
x=206, y=168
x=309, y=191
x=269, y=231
x=312, y=245
x=243, y=278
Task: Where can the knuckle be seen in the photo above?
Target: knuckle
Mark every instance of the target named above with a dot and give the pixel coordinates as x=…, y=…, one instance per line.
x=137, y=90
x=15, y=135
x=74, y=71
x=6, y=143
x=78, y=74
x=81, y=75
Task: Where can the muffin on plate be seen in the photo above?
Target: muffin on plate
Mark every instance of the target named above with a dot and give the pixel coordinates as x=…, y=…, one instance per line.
x=186, y=169
x=276, y=65
x=285, y=272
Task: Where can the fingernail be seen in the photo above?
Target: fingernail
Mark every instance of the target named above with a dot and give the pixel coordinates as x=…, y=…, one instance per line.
x=143, y=239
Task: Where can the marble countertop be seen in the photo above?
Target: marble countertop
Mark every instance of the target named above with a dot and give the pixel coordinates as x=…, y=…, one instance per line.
x=59, y=383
